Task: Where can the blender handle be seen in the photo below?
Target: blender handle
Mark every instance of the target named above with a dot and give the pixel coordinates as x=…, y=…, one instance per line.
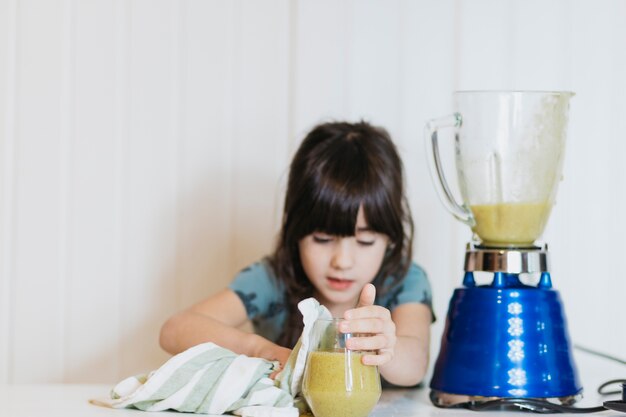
x=459, y=211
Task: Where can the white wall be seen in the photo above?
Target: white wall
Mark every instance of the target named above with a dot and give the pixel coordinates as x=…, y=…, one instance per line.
x=144, y=147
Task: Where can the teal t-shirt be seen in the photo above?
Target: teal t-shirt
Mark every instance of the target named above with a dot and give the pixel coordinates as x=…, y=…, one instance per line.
x=263, y=296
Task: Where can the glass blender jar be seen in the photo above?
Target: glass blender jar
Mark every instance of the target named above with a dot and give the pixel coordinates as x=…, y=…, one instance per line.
x=509, y=149
x=505, y=339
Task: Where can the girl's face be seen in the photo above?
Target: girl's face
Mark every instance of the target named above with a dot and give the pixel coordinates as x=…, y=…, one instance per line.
x=339, y=267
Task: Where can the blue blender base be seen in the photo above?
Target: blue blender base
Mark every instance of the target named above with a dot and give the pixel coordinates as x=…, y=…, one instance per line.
x=506, y=340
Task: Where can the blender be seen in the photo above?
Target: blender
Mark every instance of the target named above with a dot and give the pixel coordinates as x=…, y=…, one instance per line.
x=508, y=338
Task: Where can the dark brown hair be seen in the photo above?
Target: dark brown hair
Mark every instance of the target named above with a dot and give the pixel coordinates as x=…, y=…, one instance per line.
x=337, y=168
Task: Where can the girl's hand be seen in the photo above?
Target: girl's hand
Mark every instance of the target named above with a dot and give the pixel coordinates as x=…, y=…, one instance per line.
x=272, y=352
x=376, y=322
x=282, y=355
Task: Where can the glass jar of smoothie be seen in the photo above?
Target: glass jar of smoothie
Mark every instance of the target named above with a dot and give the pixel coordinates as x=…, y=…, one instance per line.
x=508, y=148
x=336, y=383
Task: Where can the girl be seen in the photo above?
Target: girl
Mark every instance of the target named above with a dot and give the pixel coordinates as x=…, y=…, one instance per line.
x=346, y=240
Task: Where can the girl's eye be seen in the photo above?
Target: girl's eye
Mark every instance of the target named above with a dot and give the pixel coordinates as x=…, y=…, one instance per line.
x=321, y=239
x=366, y=238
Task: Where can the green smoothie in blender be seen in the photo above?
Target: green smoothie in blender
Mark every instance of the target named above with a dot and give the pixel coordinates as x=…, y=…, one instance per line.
x=510, y=224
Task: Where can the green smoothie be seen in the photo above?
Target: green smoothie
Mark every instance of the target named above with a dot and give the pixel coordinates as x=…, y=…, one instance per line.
x=510, y=224
x=337, y=384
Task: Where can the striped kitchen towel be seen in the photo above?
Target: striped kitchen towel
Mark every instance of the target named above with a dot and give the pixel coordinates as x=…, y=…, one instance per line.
x=209, y=379
x=205, y=379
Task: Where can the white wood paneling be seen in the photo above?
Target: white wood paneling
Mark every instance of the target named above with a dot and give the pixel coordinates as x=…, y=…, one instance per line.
x=39, y=288
x=93, y=276
x=374, y=88
x=145, y=147
x=321, y=77
x=617, y=200
x=427, y=71
x=152, y=191
x=541, y=45
x=121, y=168
x=206, y=138
x=8, y=13
x=483, y=44
x=260, y=123
x=587, y=229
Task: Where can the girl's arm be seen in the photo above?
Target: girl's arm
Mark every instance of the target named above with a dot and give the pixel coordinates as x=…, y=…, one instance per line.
x=401, y=339
x=216, y=319
x=409, y=361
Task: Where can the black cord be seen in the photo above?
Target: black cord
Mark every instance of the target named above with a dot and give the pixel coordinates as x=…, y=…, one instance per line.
x=535, y=405
x=600, y=354
x=611, y=382
x=524, y=404
x=600, y=389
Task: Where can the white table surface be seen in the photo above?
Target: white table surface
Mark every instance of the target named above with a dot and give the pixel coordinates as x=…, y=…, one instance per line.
x=72, y=400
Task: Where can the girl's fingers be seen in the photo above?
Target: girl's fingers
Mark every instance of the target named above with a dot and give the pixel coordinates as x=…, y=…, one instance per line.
x=376, y=360
x=375, y=321
x=367, y=297
x=369, y=325
x=367, y=312
x=373, y=343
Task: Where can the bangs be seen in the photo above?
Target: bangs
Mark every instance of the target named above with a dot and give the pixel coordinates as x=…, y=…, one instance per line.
x=338, y=169
x=332, y=213
x=333, y=203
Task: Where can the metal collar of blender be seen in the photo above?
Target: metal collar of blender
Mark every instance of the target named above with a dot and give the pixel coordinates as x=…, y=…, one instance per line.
x=510, y=260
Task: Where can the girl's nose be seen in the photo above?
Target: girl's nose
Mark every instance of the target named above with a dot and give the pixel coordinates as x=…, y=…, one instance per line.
x=343, y=256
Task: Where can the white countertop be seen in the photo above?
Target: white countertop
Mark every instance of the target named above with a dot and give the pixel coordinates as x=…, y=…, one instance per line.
x=72, y=400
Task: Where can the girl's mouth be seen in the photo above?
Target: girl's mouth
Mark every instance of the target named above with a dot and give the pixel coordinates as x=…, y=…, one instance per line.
x=339, y=284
